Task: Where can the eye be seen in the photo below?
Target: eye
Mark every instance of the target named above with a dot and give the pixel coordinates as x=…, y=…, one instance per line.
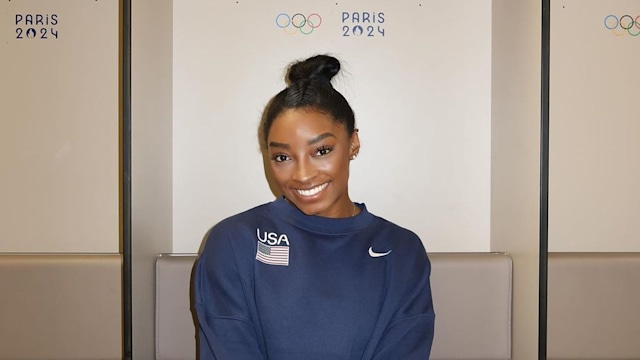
x=279, y=157
x=323, y=150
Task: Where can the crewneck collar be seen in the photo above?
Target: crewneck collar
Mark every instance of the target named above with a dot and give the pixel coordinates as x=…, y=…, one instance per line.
x=319, y=224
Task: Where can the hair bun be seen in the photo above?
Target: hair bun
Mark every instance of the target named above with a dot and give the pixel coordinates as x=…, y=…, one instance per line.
x=321, y=67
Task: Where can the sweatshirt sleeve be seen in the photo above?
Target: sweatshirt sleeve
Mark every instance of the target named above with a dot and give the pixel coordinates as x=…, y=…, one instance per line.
x=226, y=330
x=409, y=333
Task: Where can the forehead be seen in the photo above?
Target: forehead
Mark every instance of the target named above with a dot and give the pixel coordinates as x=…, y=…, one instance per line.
x=292, y=124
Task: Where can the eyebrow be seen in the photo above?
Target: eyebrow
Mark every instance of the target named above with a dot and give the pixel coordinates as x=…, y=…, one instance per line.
x=279, y=145
x=320, y=137
x=310, y=142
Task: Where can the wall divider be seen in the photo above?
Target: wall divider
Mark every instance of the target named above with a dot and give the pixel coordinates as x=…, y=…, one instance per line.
x=544, y=182
x=125, y=121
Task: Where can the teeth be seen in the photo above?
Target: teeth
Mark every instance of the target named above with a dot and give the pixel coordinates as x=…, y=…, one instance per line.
x=313, y=191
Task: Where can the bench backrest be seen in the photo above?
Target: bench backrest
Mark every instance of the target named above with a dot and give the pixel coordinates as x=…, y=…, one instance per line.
x=593, y=305
x=60, y=307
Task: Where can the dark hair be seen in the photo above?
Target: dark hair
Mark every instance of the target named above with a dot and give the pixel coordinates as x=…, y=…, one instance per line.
x=309, y=86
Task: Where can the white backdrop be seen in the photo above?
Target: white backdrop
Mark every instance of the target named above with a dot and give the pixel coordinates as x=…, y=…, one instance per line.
x=420, y=86
x=594, y=197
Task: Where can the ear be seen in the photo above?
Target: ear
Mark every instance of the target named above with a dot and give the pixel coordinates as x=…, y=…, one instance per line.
x=354, y=148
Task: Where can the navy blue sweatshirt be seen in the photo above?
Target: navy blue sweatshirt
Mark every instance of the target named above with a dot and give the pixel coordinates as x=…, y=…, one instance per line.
x=274, y=283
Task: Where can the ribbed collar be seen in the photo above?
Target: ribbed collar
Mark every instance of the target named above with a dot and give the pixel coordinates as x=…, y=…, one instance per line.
x=289, y=213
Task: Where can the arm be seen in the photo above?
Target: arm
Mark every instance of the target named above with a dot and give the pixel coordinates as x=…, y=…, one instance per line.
x=226, y=330
x=409, y=333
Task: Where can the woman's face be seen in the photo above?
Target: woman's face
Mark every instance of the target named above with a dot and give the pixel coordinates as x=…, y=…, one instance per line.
x=309, y=156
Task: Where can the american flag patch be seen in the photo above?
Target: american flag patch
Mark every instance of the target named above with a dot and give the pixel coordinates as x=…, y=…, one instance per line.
x=273, y=255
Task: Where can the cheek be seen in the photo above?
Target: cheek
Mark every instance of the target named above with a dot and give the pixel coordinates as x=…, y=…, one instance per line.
x=279, y=172
x=338, y=167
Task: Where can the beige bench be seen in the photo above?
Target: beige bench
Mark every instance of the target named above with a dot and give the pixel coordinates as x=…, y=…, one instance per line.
x=470, y=292
x=69, y=306
x=60, y=307
x=593, y=306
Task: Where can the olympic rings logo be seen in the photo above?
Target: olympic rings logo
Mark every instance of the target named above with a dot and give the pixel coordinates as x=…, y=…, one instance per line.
x=626, y=24
x=298, y=23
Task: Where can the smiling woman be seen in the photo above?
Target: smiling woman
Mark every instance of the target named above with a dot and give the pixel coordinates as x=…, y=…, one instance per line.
x=309, y=155
x=312, y=275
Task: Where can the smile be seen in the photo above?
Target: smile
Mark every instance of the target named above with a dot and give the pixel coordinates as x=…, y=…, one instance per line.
x=312, y=191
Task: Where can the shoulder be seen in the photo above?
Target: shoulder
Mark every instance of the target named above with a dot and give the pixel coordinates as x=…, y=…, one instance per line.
x=395, y=233
x=236, y=231
x=406, y=258
x=407, y=247
x=239, y=222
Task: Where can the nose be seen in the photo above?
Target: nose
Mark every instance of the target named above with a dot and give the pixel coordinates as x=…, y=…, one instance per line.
x=305, y=171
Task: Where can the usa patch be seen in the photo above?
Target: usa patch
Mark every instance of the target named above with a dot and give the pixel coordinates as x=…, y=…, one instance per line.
x=273, y=255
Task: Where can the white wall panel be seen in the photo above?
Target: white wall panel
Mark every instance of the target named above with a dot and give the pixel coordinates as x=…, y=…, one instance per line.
x=59, y=129
x=421, y=93
x=594, y=198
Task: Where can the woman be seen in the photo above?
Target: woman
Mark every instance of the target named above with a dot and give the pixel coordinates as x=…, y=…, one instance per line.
x=312, y=275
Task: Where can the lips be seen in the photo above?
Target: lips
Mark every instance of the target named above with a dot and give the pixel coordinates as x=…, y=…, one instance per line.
x=313, y=191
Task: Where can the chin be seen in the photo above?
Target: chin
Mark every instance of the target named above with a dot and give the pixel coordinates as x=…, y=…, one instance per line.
x=307, y=209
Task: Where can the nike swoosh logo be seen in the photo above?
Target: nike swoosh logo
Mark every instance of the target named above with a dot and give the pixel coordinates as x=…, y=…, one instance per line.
x=374, y=254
